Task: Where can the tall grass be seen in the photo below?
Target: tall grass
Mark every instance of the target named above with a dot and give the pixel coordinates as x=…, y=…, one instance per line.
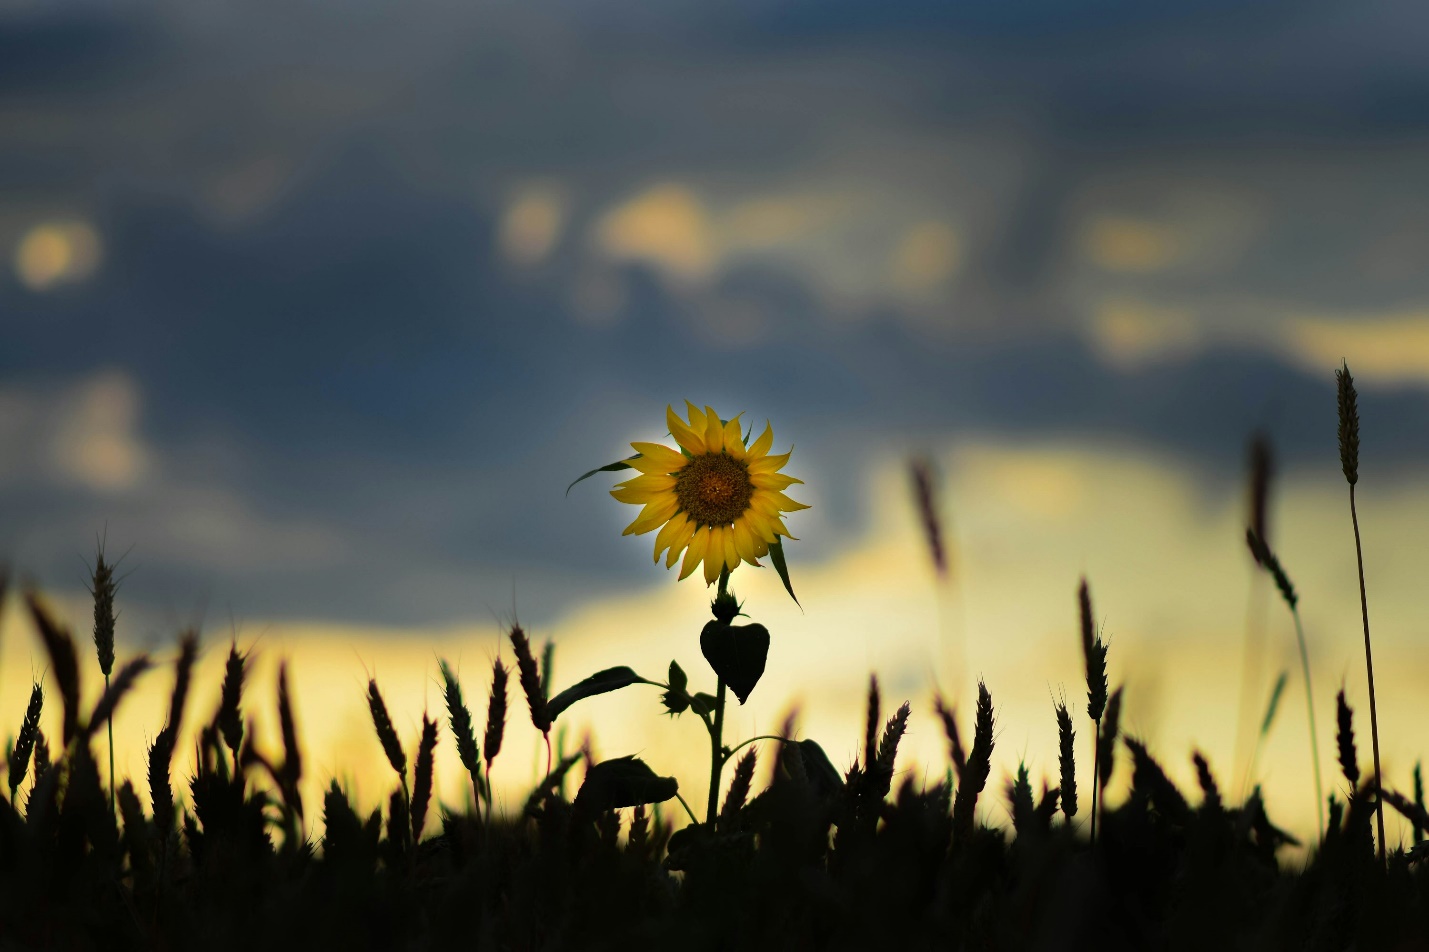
x=1348, y=402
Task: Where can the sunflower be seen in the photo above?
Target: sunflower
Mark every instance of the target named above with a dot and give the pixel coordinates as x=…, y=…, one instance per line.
x=715, y=499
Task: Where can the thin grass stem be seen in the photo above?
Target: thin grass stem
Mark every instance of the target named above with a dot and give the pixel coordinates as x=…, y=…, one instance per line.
x=1310, y=710
x=1369, y=670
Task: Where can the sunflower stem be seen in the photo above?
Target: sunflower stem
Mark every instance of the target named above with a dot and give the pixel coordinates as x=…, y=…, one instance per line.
x=717, y=734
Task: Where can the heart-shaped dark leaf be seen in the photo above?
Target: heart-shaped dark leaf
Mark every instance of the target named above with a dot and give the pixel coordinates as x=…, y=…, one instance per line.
x=602, y=682
x=737, y=653
x=622, y=782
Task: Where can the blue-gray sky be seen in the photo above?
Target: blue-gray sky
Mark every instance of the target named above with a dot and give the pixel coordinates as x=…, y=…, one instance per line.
x=320, y=306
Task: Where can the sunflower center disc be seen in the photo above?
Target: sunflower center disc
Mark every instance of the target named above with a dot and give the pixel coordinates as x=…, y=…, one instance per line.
x=714, y=489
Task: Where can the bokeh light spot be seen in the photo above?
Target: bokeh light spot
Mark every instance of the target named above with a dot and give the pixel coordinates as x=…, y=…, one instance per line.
x=56, y=253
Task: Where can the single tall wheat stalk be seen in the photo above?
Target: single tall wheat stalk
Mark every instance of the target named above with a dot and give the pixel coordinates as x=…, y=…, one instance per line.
x=1350, y=463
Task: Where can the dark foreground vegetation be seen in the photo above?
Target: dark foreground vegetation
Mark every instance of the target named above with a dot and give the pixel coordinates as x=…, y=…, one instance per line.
x=814, y=861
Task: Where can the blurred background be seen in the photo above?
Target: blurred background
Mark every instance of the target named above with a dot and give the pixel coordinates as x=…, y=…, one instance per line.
x=312, y=310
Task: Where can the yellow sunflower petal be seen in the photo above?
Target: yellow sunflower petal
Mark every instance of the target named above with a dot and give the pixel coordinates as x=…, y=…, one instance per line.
x=638, y=497
x=714, y=554
x=655, y=458
x=733, y=440
x=761, y=446
x=767, y=464
x=784, y=502
x=669, y=532
x=682, y=432
x=656, y=481
x=778, y=525
x=695, y=552
x=744, y=540
x=714, y=432
x=773, y=481
x=697, y=417
x=652, y=516
x=762, y=502
x=759, y=525
x=683, y=539
x=731, y=551
x=761, y=549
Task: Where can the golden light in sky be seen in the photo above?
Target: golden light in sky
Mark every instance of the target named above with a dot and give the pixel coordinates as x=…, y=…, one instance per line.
x=55, y=253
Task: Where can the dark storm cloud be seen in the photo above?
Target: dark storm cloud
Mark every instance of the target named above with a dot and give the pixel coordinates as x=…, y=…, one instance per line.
x=373, y=417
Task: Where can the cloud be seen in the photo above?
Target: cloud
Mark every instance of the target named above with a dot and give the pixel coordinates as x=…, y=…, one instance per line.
x=665, y=225
x=56, y=253
x=1124, y=244
x=84, y=434
x=1387, y=349
x=531, y=224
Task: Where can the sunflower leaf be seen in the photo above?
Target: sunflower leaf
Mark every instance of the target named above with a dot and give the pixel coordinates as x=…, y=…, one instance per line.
x=622, y=782
x=602, y=682
x=776, y=555
x=607, y=468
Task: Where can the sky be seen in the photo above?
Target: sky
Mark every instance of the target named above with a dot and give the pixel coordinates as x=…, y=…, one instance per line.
x=315, y=309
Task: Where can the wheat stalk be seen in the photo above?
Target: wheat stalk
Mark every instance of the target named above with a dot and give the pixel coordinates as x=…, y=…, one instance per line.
x=1349, y=434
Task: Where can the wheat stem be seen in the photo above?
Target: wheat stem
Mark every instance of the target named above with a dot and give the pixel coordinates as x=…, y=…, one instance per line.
x=1369, y=669
x=1096, y=774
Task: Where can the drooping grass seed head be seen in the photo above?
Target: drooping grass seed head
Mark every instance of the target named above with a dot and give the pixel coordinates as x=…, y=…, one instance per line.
x=529, y=677
x=386, y=733
x=64, y=662
x=1267, y=560
x=459, y=719
x=1349, y=424
x=1261, y=469
x=926, y=498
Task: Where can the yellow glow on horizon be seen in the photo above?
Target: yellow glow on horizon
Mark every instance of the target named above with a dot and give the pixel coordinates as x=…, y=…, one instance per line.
x=1170, y=582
